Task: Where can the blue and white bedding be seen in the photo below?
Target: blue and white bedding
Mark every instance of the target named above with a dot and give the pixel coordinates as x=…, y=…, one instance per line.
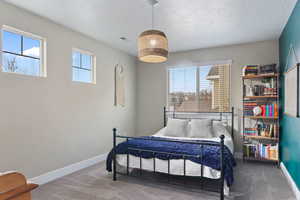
x=211, y=159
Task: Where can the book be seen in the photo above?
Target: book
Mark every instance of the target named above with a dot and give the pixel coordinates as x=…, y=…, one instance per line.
x=275, y=110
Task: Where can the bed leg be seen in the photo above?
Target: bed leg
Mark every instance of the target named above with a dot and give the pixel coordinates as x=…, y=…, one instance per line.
x=169, y=177
x=165, y=117
x=114, y=155
x=127, y=167
x=232, y=122
x=140, y=152
x=222, y=168
x=201, y=167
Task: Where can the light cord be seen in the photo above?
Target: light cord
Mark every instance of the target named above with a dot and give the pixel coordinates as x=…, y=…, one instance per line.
x=152, y=17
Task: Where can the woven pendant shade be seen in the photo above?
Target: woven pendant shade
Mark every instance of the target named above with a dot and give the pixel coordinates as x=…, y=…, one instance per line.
x=153, y=46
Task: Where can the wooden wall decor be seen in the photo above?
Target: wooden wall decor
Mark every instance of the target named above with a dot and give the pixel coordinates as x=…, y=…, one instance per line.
x=119, y=85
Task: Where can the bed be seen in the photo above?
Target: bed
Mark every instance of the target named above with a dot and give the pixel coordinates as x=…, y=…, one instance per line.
x=198, y=157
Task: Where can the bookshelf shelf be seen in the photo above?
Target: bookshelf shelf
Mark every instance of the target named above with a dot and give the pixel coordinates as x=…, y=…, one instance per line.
x=260, y=117
x=261, y=97
x=260, y=90
x=271, y=75
x=260, y=159
x=261, y=138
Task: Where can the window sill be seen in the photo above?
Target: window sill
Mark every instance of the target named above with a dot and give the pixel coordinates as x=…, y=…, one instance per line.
x=23, y=75
x=83, y=83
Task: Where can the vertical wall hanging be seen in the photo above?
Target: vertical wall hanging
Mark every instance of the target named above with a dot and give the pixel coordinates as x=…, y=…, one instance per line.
x=119, y=85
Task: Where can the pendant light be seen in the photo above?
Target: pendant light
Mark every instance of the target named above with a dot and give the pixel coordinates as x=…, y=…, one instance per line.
x=153, y=44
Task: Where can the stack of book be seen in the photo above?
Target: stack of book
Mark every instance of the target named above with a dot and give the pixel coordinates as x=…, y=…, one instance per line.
x=250, y=70
x=248, y=107
x=251, y=132
x=269, y=110
x=261, y=151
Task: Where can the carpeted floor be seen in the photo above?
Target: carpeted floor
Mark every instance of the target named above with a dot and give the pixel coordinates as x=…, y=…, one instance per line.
x=253, y=181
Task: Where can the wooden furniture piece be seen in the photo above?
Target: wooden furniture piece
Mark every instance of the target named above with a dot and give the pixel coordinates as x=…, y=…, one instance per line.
x=13, y=186
x=261, y=133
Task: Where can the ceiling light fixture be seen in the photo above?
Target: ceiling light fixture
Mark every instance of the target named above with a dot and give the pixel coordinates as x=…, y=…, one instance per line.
x=153, y=44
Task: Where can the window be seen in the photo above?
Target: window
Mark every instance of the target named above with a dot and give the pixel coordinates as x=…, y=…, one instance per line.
x=83, y=66
x=22, y=53
x=199, y=88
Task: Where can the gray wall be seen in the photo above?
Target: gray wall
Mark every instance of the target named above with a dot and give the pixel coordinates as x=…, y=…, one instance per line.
x=152, y=80
x=48, y=123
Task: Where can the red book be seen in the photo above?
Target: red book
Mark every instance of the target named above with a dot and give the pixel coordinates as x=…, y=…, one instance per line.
x=275, y=110
x=263, y=108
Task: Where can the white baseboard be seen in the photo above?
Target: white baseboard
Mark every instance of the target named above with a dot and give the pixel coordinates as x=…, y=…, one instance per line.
x=290, y=181
x=58, y=173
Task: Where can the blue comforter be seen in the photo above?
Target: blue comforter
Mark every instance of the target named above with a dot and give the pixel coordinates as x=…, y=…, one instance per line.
x=211, y=154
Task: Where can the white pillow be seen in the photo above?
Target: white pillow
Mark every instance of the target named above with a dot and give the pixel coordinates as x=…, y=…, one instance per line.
x=201, y=128
x=176, y=128
x=219, y=129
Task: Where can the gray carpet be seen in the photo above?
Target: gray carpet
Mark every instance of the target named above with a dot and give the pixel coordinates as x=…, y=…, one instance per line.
x=253, y=181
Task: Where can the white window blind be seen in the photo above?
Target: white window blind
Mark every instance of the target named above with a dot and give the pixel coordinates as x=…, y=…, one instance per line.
x=199, y=88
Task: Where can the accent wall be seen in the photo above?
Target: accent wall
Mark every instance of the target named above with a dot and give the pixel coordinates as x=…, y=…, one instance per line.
x=290, y=126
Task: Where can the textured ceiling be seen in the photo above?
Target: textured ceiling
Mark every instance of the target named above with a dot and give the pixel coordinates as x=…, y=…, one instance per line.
x=189, y=24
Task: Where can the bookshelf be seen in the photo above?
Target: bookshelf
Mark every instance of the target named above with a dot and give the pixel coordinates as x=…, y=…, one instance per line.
x=260, y=127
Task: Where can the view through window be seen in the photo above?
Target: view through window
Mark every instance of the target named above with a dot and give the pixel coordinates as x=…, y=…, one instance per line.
x=82, y=67
x=199, y=89
x=21, y=53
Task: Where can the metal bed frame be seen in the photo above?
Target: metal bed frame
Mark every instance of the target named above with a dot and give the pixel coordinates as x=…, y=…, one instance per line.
x=220, y=181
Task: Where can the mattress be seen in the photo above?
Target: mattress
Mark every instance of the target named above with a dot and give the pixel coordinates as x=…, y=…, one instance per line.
x=177, y=165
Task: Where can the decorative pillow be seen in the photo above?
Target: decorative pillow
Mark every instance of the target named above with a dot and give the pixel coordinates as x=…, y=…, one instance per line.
x=176, y=128
x=201, y=128
x=219, y=129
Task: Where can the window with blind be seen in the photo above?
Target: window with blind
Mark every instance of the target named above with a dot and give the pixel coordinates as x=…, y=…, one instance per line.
x=199, y=88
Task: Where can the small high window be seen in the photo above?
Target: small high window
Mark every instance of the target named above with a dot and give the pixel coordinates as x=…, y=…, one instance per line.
x=83, y=66
x=22, y=52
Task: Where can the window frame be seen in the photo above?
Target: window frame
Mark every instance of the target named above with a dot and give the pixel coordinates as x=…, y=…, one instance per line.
x=42, y=58
x=199, y=64
x=93, y=65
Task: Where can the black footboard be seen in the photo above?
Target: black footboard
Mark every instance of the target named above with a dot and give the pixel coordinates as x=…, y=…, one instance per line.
x=220, y=181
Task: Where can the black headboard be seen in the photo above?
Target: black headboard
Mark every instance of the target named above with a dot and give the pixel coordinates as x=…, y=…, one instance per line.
x=216, y=116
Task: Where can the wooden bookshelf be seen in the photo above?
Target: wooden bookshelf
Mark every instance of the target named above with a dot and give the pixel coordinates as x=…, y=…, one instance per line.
x=258, y=76
x=258, y=144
